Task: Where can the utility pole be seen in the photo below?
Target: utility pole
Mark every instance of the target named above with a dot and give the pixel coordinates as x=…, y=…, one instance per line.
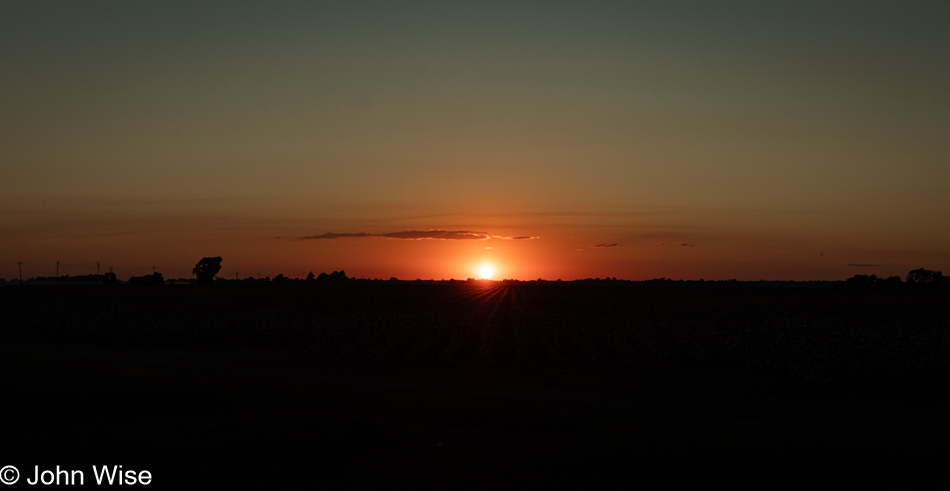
x=153, y=269
x=57, y=272
x=19, y=266
x=235, y=276
x=97, y=268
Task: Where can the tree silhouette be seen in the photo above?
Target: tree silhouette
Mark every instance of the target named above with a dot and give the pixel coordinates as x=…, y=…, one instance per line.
x=873, y=281
x=891, y=282
x=334, y=277
x=206, y=269
x=862, y=281
x=924, y=278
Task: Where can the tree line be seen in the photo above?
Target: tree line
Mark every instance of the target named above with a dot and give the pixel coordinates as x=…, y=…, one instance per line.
x=207, y=269
x=918, y=278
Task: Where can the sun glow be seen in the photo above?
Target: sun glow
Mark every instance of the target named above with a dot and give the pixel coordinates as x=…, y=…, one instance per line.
x=486, y=272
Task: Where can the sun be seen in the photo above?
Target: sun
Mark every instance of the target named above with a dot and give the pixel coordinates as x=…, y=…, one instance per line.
x=486, y=272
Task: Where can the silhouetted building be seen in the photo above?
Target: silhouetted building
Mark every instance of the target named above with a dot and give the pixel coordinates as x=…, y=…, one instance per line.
x=152, y=279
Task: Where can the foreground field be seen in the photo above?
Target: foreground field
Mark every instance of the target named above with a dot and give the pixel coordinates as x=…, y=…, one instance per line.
x=478, y=383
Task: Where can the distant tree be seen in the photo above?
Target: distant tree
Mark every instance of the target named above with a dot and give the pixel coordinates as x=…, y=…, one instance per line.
x=310, y=277
x=862, y=281
x=891, y=282
x=393, y=278
x=280, y=278
x=206, y=269
x=338, y=276
x=924, y=278
x=334, y=277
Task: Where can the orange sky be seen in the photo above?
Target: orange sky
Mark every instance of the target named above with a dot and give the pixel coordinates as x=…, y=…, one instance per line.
x=793, y=140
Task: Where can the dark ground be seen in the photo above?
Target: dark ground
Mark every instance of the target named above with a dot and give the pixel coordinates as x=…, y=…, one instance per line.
x=478, y=384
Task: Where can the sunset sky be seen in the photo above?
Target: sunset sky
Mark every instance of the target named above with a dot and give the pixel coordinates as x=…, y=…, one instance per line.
x=693, y=139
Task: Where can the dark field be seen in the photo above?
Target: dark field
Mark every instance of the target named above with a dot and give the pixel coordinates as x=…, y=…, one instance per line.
x=476, y=384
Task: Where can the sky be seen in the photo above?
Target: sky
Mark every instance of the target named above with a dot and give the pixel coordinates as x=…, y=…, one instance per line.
x=425, y=139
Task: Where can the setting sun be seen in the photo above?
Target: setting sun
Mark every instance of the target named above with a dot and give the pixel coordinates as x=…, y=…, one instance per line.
x=486, y=272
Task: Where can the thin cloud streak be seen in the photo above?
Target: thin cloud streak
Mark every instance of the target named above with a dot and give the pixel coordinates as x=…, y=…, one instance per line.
x=519, y=237
x=418, y=235
x=605, y=245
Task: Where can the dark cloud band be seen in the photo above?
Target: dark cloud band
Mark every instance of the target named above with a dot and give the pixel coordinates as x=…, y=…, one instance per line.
x=418, y=235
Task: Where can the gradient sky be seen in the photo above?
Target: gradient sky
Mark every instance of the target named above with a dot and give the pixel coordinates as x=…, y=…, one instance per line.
x=748, y=140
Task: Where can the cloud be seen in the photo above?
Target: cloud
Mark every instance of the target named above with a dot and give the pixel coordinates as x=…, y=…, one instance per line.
x=519, y=237
x=856, y=265
x=601, y=246
x=418, y=235
x=684, y=244
x=331, y=235
x=436, y=234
